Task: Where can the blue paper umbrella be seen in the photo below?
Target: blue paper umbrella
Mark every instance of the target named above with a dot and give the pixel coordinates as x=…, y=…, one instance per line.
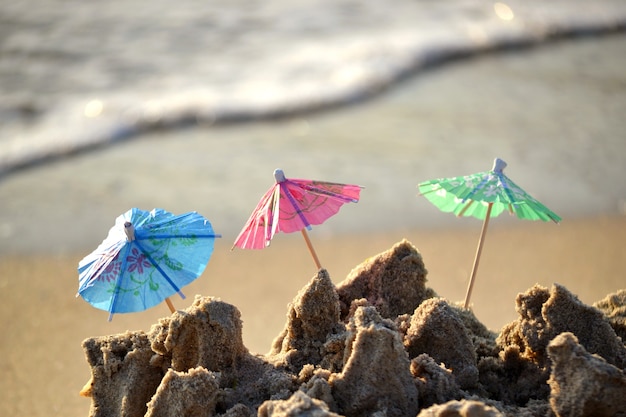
x=146, y=258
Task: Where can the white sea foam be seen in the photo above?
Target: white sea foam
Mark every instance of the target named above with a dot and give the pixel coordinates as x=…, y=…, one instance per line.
x=76, y=75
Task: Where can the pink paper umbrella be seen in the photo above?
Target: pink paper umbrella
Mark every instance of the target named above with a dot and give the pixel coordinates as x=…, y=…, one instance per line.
x=293, y=205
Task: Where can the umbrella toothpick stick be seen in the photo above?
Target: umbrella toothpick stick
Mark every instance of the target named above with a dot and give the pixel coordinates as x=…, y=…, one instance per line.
x=477, y=257
x=310, y=246
x=170, y=305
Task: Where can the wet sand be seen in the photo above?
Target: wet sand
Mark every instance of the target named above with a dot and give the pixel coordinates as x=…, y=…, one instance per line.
x=44, y=325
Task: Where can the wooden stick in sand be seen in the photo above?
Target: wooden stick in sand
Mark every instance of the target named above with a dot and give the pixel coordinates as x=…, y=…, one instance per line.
x=311, y=250
x=170, y=305
x=477, y=257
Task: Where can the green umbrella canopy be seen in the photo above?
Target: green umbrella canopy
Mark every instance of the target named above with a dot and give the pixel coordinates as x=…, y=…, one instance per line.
x=471, y=195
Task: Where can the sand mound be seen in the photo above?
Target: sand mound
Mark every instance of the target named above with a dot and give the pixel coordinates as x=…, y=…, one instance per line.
x=583, y=384
x=614, y=308
x=378, y=344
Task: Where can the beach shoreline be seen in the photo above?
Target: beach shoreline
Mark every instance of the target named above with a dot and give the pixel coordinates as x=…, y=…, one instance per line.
x=565, y=149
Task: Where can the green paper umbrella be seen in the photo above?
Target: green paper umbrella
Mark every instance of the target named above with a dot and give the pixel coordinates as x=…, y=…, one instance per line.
x=484, y=195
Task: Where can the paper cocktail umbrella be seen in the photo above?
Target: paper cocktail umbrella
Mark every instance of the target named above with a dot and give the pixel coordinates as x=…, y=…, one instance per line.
x=484, y=195
x=293, y=205
x=146, y=258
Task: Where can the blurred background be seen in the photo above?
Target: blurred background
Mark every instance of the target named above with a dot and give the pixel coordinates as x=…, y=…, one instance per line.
x=192, y=105
x=192, y=108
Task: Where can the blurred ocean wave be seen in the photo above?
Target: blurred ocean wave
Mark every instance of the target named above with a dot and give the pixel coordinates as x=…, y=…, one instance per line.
x=76, y=75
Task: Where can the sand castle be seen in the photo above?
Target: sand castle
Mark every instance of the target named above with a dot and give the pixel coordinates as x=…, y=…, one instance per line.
x=380, y=343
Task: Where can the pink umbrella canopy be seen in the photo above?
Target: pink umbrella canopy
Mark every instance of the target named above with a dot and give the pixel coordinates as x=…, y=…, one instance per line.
x=292, y=205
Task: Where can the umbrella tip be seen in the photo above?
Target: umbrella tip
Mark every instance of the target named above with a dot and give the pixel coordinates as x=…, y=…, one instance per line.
x=279, y=175
x=498, y=165
x=129, y=229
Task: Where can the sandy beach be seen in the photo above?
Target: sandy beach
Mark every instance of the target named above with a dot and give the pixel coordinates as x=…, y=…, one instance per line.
x=54, y=215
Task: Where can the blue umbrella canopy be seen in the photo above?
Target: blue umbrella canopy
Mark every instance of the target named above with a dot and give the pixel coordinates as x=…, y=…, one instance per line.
x=146, y=258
